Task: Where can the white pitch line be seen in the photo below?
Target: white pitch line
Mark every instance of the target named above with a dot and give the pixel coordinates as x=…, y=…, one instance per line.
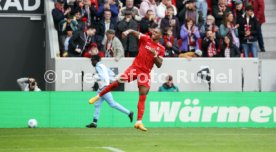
x=112, y=149
x=64, y=148
x=150, y=134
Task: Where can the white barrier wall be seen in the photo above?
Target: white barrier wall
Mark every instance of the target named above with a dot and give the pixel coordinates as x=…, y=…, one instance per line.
x=226, y=73
x=52, y=47
x=268, y=71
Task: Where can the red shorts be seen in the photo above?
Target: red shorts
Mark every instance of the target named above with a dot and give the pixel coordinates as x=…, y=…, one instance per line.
x=132, y=73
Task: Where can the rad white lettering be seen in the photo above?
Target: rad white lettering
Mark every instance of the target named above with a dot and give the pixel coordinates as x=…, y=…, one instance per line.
x=17, y=5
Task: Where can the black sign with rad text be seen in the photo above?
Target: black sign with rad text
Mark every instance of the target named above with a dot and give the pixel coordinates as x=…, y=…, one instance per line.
x=22, y=6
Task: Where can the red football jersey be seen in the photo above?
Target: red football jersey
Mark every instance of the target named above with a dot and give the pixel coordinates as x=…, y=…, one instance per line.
x=145, y=59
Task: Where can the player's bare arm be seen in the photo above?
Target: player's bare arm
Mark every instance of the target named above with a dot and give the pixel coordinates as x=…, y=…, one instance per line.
x=133, y=32
x=157, y=59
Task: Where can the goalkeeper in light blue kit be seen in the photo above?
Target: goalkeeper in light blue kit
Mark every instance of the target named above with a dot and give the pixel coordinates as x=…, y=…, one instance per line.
x=104, y=77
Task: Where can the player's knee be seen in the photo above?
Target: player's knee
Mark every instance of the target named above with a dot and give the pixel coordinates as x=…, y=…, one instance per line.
x=116, y=83
x=143, y=90
x=113, y=104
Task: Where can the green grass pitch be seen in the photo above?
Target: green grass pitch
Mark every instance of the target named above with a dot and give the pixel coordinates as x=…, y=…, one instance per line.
x=131, y=140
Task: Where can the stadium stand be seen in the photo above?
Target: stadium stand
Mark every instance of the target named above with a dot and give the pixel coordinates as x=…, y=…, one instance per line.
x=256, y=78
x=126, y=14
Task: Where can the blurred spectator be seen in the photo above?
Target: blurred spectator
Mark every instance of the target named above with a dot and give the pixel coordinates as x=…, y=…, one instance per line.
x=69, y=3
x=180, y=5
x=219, y=11
x=148, y=5
x=214, y=3
x=78, y=7
x=162, y=7
x=209, y=26
x=202, y=6
x=228, y=27
x=189, y=35
x=92, y=50
x=75, y=6
x=109, y=5
x=95, y=3
x=259, y=12
x=118, y=3
x=104, y=25
x=81, y=25
x=238, y=11
x=210, y=45
x=28, y=84
x=112, y=46
x=228, y=49
x=190, y=11
x=171, y=21
x=147, y=21
x=89, y=11
x=248, y=32
x=230, y=4
x=238, y=15
x=100, y=2
x=68, y=22
x=129, y=7
x=136, y=3
x=168, y=86
x=59, y=13
x=259, y=8
x=65, y=41
x=80, y=41
x=170, y=43
x=130, y=42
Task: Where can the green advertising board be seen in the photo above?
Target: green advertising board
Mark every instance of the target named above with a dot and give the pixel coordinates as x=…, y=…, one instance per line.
x=185, y=109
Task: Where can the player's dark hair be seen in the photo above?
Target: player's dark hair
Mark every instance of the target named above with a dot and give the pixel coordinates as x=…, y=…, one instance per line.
x=96, y=58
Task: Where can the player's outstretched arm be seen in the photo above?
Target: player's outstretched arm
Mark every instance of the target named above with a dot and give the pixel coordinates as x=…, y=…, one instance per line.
x=133, y=32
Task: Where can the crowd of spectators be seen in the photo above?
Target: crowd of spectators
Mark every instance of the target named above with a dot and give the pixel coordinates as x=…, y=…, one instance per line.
x=191, y=28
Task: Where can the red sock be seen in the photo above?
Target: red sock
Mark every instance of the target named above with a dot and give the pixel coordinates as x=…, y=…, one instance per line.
x=109, y=88
x=141, y=106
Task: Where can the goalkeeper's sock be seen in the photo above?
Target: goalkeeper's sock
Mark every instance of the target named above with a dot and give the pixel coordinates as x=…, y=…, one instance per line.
x=109, y=88
x=141, y=106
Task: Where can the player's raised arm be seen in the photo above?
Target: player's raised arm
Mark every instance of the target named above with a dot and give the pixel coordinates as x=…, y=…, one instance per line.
x=133, y=32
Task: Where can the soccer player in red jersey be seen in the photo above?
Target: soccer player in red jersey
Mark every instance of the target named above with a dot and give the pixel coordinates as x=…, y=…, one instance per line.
x=150, y=52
